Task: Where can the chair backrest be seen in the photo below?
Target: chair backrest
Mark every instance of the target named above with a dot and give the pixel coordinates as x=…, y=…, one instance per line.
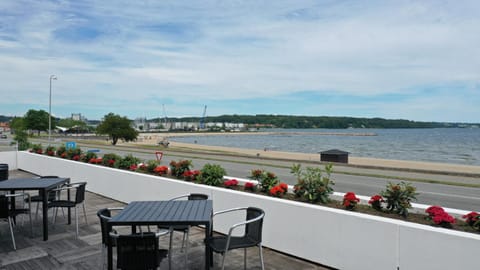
x=197, y=196
x=4, y=213
x=137, y=251
x=104, y=215
x=80, y=193
x=254, y=230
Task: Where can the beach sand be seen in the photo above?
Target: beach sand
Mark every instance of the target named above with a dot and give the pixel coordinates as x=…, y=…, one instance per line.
x=154, y=138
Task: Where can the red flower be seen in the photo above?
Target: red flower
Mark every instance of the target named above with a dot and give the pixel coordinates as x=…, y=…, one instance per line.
x=50, y=153
x=434, y=210
x=143, y=167
x=350, y=200
x=277, y=191
x=63, y=155
x=249, y=186
x=161, y=170
x=284, y=187
x=39, y=151
x=471, y=218
x=443, y=218
x=111, y=162
x=133, y=167
x=376, y=198
x=231, y=183
x=76, y=157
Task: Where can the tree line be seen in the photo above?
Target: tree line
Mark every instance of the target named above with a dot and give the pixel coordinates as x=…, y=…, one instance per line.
x=37, y=121
x=291, y=121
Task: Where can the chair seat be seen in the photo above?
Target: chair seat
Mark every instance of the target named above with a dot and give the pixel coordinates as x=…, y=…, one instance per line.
x=61, y=203
x=219, y=243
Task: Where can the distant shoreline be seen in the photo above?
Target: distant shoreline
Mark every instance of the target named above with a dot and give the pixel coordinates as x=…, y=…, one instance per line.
x=408, y=165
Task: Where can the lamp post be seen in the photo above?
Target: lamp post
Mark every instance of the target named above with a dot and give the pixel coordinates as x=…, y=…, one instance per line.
x=52, y=77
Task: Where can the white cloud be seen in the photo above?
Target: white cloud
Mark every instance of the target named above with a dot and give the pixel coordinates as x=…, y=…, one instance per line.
x=112, y=53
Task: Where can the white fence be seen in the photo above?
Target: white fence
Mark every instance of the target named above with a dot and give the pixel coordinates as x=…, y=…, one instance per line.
x=333, y=237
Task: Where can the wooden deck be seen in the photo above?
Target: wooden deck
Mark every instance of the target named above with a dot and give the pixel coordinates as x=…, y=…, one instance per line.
x=63, y=251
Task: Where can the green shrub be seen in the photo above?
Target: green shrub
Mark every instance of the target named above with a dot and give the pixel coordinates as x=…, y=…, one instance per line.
x=127, y=161
x=266, y=180
x=37, y=148
x=312, y=185
x=62, y=151
x=151, y=165
x=212, y=175
x=110, y=159
x=50, y=150
x=399, y=197
x=88, y=156
x=180, y=167
x=74, y=153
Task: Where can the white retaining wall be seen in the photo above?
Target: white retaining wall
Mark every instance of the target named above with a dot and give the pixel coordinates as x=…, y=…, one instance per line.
x=10, y=158
x=333, y=237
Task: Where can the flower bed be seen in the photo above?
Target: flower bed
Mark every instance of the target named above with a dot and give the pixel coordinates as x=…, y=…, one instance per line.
x=313, y=232
x=314, y=186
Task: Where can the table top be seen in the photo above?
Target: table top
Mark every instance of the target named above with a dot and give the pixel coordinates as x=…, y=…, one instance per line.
x=31, y=183
x=180, y=212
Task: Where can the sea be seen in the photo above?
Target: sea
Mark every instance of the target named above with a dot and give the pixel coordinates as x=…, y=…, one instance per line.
x=446, y=145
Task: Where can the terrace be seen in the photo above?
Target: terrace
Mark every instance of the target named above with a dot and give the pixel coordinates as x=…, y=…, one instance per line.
x=314, y=233
x=63, y=251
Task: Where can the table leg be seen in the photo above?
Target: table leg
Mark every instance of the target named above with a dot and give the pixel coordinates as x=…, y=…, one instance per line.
x=44, y=194
x=109, y=249
x=69, y=209
x=12, y=205
x=208, y=251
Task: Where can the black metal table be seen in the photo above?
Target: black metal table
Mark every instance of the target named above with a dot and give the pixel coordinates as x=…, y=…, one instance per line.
x=168, y=213
x=43, y=185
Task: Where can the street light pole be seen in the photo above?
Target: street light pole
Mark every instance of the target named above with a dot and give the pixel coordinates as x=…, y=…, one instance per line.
x=52, y=77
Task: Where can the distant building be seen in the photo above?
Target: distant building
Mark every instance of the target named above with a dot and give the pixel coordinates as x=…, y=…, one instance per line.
x=78, y=117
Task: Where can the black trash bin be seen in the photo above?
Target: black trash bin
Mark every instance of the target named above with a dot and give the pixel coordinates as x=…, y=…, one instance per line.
x=3, y=171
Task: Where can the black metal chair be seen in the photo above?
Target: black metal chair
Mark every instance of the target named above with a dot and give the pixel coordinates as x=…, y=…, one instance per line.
x=79, y=199
x=138, y=251
x=8, y=214
x=252, y=235
x=39, y=198
x=182, y=228
x=105, y=215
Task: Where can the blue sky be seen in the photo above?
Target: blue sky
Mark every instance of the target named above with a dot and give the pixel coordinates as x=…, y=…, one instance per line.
x=416, y=60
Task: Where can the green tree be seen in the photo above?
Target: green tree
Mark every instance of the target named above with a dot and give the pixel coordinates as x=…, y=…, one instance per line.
x=18, y=127
x=37, y=120
x=117, y=127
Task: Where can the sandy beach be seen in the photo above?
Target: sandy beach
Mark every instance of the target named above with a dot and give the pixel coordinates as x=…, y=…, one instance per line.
x=154, y=138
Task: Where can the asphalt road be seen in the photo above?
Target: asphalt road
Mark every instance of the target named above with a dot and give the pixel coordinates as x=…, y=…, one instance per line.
x=365, y=182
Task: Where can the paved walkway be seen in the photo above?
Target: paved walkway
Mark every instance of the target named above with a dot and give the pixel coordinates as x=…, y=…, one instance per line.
x=63, y=251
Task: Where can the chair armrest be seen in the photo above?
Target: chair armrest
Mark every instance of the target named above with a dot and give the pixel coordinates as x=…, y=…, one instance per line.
x=223, y=212
x=229, y=210
x=21, y=194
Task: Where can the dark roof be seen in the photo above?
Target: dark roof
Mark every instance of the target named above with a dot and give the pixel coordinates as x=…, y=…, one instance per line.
x=334, y=152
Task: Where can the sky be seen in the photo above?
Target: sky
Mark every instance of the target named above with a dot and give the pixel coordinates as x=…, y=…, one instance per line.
x=415, y=60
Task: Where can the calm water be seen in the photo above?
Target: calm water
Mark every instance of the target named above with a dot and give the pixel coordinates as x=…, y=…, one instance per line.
x=449, y=145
